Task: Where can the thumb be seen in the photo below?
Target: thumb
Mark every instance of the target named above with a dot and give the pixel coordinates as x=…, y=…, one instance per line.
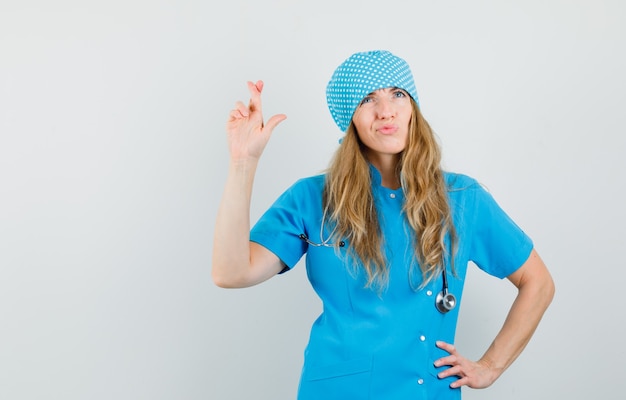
x=274, y=121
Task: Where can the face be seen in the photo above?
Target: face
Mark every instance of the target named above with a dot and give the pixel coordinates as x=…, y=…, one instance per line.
x=382, y=122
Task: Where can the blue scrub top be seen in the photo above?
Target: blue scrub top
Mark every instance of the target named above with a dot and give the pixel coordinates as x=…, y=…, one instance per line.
x=370, y=345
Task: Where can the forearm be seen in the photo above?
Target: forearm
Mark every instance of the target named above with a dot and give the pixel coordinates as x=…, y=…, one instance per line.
x=533, y=299
x=231, y=242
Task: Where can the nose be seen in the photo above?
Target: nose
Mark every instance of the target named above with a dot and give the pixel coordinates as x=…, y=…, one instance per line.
x=384, y=109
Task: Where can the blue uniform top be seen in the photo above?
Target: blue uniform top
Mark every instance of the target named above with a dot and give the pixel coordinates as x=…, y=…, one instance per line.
x=370, y=345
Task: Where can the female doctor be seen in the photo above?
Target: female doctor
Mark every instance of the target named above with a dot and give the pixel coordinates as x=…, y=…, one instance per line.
x=387, y=236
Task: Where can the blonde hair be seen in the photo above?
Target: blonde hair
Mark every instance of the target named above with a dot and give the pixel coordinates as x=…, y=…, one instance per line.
x=349, y=204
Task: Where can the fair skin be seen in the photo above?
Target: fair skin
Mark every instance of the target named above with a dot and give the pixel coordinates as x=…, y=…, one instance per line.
x=237, y=262
x=382, y=124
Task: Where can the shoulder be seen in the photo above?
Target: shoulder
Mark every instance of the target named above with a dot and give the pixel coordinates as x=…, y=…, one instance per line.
x=457, y=182
x=305, y=188
x=464, y=189
x=309, y=183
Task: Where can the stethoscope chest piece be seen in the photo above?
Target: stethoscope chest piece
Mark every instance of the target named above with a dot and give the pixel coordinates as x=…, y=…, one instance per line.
x=445, y=302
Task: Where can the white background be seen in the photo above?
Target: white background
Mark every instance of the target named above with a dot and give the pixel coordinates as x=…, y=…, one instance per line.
x=113, y=158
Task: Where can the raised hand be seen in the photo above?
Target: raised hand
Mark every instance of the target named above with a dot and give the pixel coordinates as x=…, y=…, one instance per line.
x=247, y=133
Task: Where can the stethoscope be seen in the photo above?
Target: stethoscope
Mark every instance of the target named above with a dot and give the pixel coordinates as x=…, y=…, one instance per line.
x=324, y=243
x=445, y=301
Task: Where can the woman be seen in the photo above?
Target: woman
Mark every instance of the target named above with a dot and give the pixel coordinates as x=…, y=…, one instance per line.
x=388, y=236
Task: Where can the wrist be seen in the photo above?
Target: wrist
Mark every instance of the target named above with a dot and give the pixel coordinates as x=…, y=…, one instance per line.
x=244, y=163
x=491, y=366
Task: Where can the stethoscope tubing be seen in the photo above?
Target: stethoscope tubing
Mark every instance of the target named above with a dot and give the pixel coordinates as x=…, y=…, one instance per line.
x=444, y=302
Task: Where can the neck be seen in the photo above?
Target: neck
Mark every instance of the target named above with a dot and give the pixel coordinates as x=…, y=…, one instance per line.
x=387, y=167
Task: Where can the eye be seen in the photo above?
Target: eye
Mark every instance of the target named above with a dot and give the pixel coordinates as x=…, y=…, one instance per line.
x=400, y=93
x=366, y=99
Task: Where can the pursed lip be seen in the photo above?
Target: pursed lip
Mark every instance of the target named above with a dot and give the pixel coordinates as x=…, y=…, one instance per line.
x=387, y=129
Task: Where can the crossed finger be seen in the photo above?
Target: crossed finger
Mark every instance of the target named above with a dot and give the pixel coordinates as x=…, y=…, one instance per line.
x=255, y=95
x=240, y=111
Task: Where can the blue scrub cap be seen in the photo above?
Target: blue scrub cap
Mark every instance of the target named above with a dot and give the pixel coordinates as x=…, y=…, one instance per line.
x=361, y=74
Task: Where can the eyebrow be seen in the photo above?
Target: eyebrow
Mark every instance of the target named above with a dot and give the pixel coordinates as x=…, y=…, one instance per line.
x=391, y=88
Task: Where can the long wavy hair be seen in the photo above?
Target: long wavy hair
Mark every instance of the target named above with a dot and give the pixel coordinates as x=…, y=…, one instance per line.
x=349, y=205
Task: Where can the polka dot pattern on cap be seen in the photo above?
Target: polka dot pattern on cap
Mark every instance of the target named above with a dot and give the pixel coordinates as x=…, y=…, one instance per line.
x=361, y=74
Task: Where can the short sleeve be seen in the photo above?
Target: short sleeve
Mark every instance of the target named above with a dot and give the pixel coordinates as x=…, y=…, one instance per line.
x=498, y=245
x=280, y=227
